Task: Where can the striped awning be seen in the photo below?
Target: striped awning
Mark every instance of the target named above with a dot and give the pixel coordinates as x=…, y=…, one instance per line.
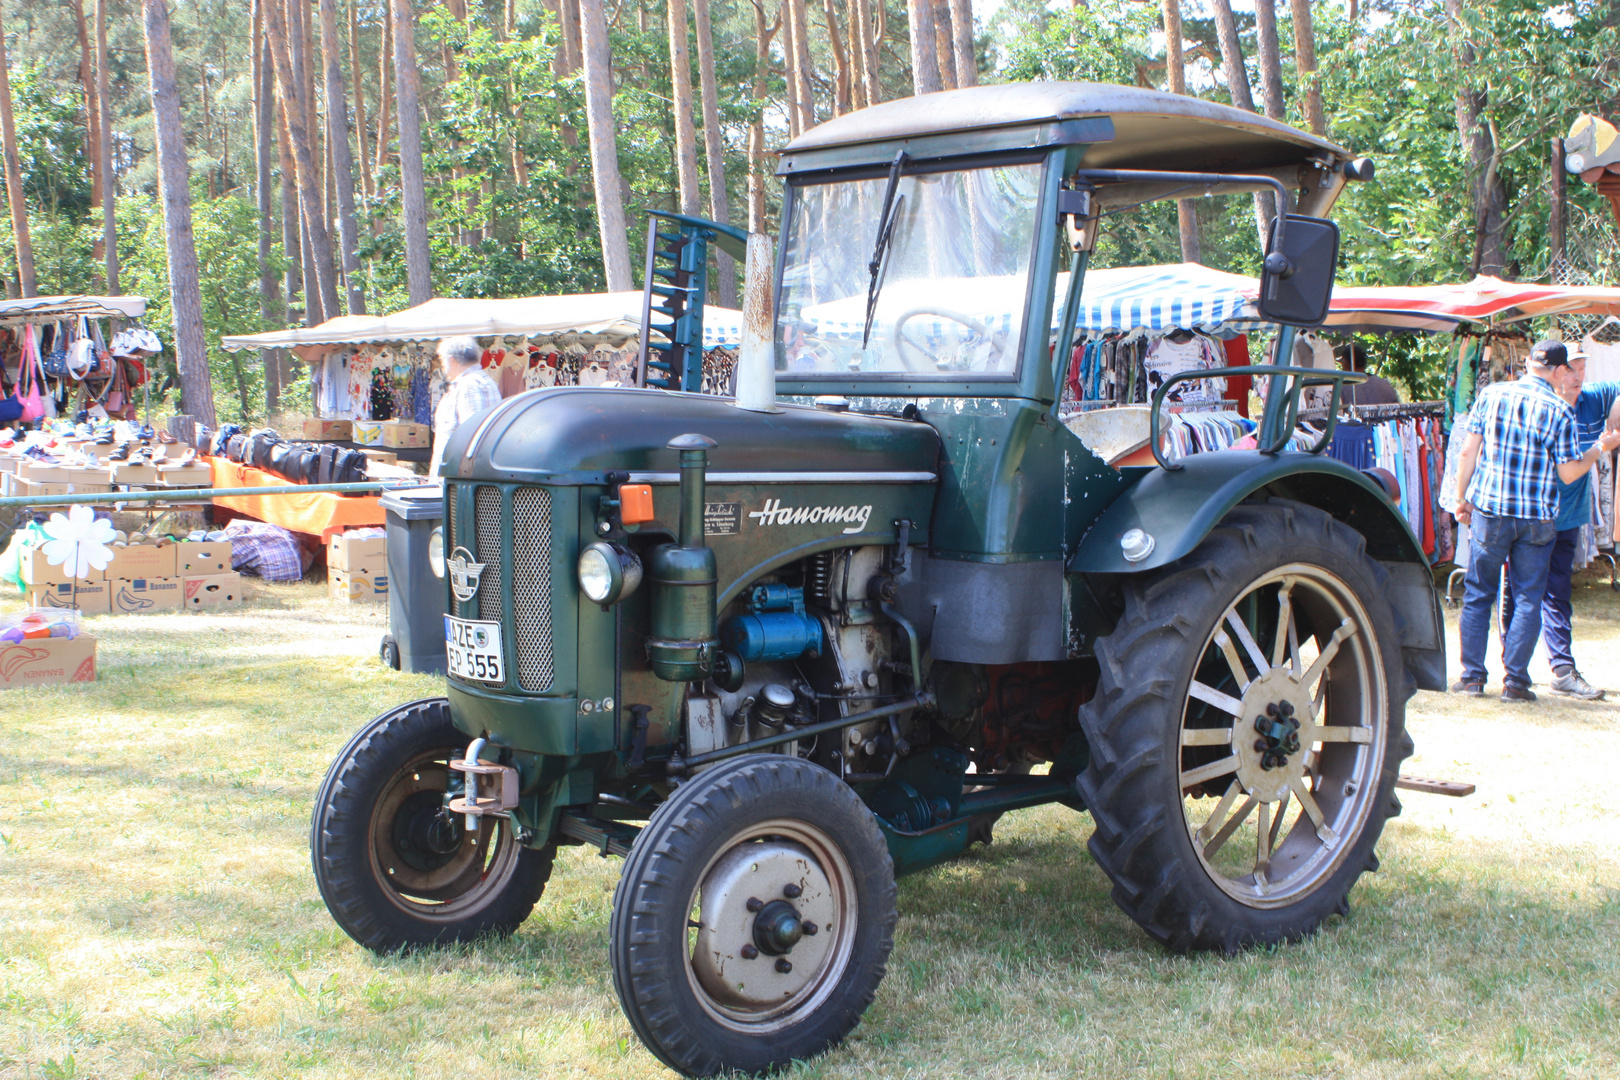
x=1180, y=296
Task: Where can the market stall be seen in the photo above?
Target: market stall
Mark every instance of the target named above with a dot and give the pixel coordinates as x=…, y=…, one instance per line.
x=63, y=354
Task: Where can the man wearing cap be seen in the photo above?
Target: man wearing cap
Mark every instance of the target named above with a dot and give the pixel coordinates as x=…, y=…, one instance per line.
x=1593, y=403
x=1522, y=439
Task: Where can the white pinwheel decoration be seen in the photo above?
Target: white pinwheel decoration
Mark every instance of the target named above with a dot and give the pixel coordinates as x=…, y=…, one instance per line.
x=79, y=541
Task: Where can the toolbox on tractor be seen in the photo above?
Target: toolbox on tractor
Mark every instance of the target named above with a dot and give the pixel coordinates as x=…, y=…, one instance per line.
x=778, y=648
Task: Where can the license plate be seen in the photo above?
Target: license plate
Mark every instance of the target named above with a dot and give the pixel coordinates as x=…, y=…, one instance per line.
x=473, y=649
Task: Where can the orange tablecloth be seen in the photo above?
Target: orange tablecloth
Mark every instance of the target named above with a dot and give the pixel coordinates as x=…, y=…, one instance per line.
x=317, y=512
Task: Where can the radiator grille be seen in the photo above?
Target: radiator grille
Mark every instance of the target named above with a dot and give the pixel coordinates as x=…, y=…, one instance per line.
x=491, y=587
x=531, y=586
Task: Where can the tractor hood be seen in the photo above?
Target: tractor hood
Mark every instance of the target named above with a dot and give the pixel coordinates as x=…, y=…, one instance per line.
x=575, y=435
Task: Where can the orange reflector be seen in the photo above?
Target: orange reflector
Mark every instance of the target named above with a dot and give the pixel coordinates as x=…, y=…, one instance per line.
x=635, y=503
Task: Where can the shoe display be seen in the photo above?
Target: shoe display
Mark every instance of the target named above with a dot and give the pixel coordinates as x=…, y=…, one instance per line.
x=1571, y=684
x=105, y=438
x=1472, y=689
x=122, y=453
x=1518, y=693
x=189, y=456
x=167, y=439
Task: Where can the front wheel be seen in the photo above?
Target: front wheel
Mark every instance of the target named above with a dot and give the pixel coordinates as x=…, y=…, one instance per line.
x=395, y=867
x=754, y=918
x=1247, y=732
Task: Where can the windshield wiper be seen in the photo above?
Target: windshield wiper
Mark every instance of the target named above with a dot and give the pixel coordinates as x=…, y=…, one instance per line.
x=891, y=213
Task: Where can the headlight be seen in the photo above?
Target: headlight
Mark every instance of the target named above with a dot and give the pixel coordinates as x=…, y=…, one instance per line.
x=608, y=572
x=436, y=552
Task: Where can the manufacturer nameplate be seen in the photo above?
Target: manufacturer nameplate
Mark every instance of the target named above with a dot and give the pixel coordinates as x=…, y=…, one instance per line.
x=722, y=519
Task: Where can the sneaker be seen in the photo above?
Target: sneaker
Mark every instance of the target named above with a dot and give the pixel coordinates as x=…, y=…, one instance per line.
x=1518, y=693
x=1472, y=689
x=1571, y=684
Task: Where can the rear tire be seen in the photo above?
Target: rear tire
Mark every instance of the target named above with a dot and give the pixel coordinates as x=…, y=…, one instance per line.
x=397, y=870
x=752, y=844
x=1190, y=775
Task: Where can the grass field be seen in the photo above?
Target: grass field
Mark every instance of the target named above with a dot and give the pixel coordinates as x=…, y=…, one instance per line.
x=158, y=916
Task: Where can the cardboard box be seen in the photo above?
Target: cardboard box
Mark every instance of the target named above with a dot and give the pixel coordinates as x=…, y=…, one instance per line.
x=404, y=433
x=368, y=432
x=202, y=558
x=48, y=661
x=142, y=561
x=197, y=474
x=328, y=430
x=125, y=473
x=36, y=571
x=142, y=595
x=380, y=457
x=215, y=590
x=357, y=588
x=9, y=463
x=354, y=555
x=33, y=469
x=90, y=597
x=89, y=474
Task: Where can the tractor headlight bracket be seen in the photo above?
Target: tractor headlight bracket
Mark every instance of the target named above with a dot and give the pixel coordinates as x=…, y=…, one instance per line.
x=608, y=572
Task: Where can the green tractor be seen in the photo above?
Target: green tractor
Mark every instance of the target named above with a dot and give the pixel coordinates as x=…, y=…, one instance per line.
x=777, y=649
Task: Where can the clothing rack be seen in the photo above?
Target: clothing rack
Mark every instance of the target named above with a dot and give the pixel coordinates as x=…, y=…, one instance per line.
x=1377, y=413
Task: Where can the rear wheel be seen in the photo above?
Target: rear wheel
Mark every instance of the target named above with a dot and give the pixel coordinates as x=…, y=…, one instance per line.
x=754, y=918
x=395, y=867
x=1247, y=732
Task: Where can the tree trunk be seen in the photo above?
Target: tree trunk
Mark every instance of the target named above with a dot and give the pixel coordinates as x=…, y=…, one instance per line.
x=604, y=147
x=714, y=148
x=924, y=65
x=680, y=78
x=263, y=112
x=300, y=40
x=1305, y=61
x=1176, y=81
x=1558, y=206
x=1481, y=149
x=92, y=110
x=1237, y=87
x=190, y=344
x=1270, y=56
x=802, y=67
x=876, y=27
x=320, y=244
x=857, y=54
x=758, y=168
x=109, y=184
x=14, y=182
x=841, y=72
x=967, y=59
x=292, y=226
x=568, y=16
x=385, y=95
x=418, y=270
x=362, y=152
x=944, y=45
x=337, y=136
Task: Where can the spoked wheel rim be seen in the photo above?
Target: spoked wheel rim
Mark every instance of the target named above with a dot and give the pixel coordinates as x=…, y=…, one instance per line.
x=422, y=856
x=1282, y=736
x=771, y=926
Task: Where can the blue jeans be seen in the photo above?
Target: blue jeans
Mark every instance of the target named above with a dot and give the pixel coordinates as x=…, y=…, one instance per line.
x=1492, y=541
x=1556, y=609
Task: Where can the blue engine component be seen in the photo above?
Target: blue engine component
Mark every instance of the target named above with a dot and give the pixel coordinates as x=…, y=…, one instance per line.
x=773, y=635
x=776, y=628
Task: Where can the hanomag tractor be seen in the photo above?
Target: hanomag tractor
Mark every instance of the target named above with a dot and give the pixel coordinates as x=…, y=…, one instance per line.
x=775, y=653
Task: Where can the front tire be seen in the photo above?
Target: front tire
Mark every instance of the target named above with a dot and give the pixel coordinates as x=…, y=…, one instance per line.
x=754, y=918
x=397, y=870
x=1247, y=732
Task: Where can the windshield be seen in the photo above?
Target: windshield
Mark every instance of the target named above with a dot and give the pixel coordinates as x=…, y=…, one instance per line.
x=951, y=287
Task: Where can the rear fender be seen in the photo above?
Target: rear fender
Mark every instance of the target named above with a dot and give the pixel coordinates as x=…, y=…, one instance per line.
x=1179, y=507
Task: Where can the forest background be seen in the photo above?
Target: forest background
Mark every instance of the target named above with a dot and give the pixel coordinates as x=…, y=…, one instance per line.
x=343, y=156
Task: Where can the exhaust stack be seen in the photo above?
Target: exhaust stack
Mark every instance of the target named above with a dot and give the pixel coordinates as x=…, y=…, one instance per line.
x=756, y=363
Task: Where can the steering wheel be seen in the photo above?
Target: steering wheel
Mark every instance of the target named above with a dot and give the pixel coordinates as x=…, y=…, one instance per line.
x=900, y=342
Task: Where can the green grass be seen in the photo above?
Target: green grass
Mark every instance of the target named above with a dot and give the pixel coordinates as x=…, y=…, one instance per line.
x=158, y=916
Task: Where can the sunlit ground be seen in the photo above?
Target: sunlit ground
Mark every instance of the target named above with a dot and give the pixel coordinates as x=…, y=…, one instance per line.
x=158, y=916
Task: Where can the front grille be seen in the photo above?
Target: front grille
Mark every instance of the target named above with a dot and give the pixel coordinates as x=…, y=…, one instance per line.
x=487, y=513
x=531, y=586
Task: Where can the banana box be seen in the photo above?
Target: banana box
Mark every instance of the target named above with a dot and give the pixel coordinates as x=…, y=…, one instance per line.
x=357, y=588
x=137, y=596
x=214, y=590
x=47, y=661
x=90, y=597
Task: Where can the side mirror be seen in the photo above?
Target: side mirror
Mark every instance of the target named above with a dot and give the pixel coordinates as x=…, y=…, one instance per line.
x=1297, y=281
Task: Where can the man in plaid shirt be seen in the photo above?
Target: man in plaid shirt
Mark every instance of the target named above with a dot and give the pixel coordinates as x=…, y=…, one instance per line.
x=1521, y=440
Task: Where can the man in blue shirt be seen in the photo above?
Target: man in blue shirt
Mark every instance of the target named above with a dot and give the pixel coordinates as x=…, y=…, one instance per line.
x=1521, y=441
x=1593, y=403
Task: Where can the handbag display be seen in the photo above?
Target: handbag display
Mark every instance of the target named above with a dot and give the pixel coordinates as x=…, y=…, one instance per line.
x=55, y=363
x=30, y=384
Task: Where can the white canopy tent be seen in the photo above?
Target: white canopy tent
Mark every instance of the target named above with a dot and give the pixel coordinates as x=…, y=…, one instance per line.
x=614, y=316
x=37, y=309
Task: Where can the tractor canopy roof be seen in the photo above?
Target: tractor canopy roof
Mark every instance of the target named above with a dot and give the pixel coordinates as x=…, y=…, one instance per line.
x=1125, y=127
